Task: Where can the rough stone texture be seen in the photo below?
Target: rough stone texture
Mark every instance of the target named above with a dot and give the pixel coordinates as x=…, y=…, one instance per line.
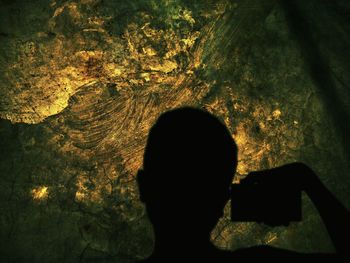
x=83, y=81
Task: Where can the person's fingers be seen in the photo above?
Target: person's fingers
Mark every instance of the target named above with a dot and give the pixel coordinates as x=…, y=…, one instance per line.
x=251, y=178
x=256, y=177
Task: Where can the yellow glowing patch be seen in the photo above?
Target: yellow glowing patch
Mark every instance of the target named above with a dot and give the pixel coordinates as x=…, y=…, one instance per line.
x=149, y=51
x=166, y=67
x=79, y=196
x=146, y=76
x=40, y=193
x=189, y=42
x=271, y=238
x=276, y=113
x=187, y=15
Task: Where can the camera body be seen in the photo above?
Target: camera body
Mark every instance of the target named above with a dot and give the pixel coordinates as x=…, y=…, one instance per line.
x=265, y=203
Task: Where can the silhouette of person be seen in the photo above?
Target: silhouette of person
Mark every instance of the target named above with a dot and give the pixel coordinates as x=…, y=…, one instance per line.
x=189, y=163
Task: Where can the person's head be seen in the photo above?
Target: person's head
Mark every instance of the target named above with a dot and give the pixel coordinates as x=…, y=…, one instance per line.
x=189, y=163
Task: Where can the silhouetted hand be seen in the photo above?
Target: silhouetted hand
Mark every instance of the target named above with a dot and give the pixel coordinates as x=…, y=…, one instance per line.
x=296, y=176
x=301, y=177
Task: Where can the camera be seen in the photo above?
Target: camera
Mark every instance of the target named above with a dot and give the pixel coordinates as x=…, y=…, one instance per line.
x=265, y=203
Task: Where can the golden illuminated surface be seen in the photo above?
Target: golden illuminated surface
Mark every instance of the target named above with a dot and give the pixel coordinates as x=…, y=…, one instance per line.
x=40, y=193
x=84, y=85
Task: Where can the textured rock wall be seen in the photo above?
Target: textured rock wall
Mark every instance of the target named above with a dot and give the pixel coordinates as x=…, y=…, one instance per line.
x=83, y=81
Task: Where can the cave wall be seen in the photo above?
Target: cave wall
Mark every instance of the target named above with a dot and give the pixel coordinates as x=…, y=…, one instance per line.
x=83, y=81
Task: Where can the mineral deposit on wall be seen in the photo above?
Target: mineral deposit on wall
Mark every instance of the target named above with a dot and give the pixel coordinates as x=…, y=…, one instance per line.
x=83, y=81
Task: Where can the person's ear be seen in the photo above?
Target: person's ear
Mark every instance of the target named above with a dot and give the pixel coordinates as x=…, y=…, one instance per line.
x=140, y=178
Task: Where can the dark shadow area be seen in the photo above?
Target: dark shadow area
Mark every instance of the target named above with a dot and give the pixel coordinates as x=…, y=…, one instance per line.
x=189, y=163
x=317, y=64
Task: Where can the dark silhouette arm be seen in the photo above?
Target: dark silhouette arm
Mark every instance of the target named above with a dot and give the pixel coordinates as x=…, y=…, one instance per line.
x=333, y=213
